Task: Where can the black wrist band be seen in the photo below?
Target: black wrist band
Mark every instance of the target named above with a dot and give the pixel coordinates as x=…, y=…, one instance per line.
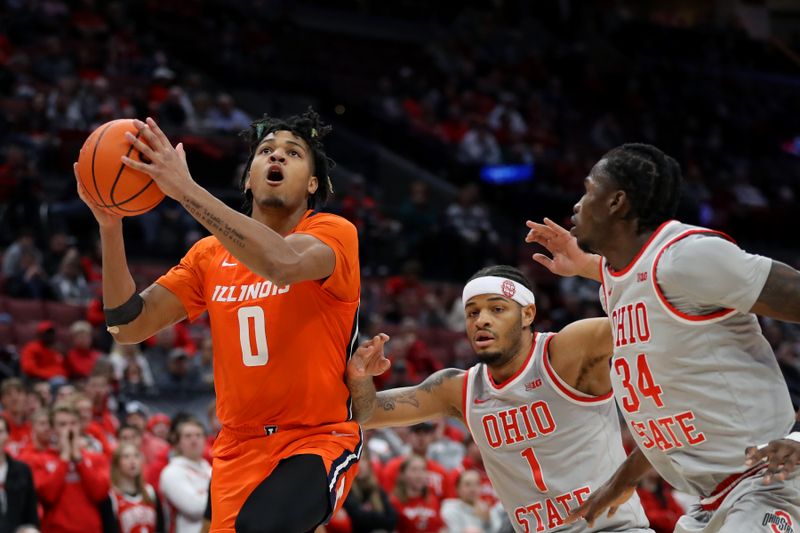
x=126, y=312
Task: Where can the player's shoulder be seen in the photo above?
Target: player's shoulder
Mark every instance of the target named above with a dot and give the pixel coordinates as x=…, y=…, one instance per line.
x=321, y=218
x=207, y=244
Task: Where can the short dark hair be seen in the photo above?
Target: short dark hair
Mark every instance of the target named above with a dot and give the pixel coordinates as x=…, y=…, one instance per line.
x=308, y=127
x=505, y=271
x=650, y=178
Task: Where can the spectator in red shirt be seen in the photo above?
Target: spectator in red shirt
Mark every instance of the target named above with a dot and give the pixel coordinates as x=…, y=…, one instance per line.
x=417, y=507
x=41, y=441
x=420, y=437
x=81, y=357
x=73, y=482
x=472, y=461
x=17, y=494
x=153, y=448
x=12, y=398
x=660, y=507
x=92, y=434
x=39, y=359
x=98, y=389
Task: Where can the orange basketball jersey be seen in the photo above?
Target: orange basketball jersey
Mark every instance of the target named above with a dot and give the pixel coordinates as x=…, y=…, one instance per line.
x=279, y=352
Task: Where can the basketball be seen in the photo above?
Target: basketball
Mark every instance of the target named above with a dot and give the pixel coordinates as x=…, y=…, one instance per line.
x=110, y=184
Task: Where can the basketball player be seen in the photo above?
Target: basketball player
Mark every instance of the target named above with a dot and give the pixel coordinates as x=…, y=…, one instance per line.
x=694, y=377
x=281, y=287
x=538, y=405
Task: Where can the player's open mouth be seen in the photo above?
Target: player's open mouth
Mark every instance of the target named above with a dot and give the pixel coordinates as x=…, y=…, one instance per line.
x=483, y=339
x=274, y=174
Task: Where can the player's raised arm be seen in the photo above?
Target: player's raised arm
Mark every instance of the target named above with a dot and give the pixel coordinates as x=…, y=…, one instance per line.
x=130, y=316
x=439, y=395
x=261, y=249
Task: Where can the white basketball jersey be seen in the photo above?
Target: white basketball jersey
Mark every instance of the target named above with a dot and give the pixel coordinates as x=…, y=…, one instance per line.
x=546, y=446
x=694, y=390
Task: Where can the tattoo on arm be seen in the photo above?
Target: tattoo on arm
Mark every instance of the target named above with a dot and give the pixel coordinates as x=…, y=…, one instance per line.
x=436, y=380
x=388, y=400
x=212, y=221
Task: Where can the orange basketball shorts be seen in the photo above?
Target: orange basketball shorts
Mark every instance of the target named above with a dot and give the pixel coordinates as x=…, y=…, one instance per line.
x=242, y=460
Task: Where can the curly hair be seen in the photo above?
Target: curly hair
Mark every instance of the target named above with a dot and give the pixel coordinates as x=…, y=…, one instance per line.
x=650, y=178
x=308, y=127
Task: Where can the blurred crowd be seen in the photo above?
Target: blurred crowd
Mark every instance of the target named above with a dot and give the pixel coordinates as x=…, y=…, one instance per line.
x=553, y=92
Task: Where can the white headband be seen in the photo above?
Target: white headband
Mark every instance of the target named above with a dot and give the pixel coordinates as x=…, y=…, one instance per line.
x=497, y=285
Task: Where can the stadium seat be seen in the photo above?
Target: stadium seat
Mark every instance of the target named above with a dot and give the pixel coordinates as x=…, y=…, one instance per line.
x=64, y=314
x=25, y=310
x=6, y=333
x=24, y=332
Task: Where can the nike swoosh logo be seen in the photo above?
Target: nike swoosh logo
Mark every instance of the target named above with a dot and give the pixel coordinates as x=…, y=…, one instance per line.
x=479, y=401
x=226, y=264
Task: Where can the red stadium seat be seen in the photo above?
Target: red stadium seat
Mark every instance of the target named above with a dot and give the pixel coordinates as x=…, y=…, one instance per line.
x=64, y=314
x=25, y=310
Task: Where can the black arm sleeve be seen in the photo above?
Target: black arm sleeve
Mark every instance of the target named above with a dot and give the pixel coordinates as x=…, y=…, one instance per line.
x=107, y=516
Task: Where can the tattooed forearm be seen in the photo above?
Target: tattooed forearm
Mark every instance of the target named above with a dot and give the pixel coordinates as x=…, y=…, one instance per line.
x=213, y=222
x=362, y=393
x=436, y=380
x=388, y=400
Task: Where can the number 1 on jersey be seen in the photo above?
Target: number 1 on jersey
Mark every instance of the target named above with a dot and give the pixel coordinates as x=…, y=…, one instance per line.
x=261, y=355
x=536, y=469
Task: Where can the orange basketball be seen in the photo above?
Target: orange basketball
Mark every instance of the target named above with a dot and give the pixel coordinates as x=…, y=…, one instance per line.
x=107, y=182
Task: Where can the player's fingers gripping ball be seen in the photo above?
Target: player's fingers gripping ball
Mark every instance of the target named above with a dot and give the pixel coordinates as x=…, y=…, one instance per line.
x=107, y=182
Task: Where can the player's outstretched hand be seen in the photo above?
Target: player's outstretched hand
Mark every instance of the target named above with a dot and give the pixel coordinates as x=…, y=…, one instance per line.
x=104, y=218
x=568, y=259
x=369, y=360
x=610, y=496
x=781, y=456
x=161, y=161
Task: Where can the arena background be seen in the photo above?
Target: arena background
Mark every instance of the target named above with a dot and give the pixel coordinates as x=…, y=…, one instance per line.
x=452, y=126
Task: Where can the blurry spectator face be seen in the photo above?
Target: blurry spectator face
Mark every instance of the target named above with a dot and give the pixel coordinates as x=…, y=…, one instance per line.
x=130, y=461
x=280, y=174
x=64, y=423
x=33, y=402
x=40, y=427
x=469, y=486
x=84, y=408
x=160, y=430
x=133, y=373
x=64, y=392
x=191, y=441
x=416, y=474
x=42, y=388
x=13, y=400
x=82, y=339
x=137, y=419
x=128, y=435
x=495, y=325
x=97, y=389
x=474, y=453
x=420, y=440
